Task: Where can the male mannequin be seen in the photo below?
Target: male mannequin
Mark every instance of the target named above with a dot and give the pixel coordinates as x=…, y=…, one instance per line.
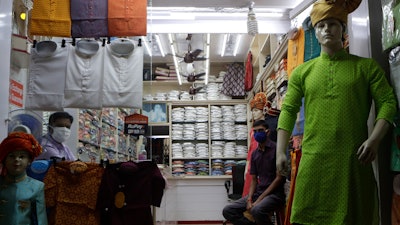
x=257, y=105
x=335, y=182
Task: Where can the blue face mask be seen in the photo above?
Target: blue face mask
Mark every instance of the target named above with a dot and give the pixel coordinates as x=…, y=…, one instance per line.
x=260, y=137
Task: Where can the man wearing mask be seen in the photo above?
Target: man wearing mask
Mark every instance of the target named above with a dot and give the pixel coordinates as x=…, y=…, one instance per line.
x=53, y=142
x=266, y=192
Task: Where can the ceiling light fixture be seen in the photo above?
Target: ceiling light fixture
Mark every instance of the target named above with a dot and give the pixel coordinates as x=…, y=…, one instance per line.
x=158, y=41
x=171, y=42
x=146, y=44
x=238, y=39
x=224, y=45
x=252, y=26
x=207, y=58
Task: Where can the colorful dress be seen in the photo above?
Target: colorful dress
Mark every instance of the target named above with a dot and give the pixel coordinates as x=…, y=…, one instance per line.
x=332, y=186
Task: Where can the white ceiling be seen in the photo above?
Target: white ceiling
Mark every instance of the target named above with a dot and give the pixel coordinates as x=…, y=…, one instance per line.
x=217, y=17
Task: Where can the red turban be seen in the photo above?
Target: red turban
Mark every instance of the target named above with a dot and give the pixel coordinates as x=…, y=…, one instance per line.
x=19, y=141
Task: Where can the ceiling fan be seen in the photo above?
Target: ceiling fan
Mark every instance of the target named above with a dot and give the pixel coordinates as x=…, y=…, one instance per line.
x=191, y=56
x=194, y=90
x=193, y=77
x=192, y=74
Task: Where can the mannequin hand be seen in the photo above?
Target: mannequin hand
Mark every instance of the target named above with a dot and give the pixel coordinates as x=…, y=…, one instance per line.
x=281, y=163
x=367, y=151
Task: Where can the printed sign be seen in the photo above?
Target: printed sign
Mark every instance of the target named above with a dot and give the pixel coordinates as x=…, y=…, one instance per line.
x=16, y=93
x=136, y=124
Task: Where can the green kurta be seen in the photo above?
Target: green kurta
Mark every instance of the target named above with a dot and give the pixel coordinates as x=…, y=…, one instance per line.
x=332, y=186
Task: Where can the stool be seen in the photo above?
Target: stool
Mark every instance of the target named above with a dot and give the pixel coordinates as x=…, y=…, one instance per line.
x=280, y=216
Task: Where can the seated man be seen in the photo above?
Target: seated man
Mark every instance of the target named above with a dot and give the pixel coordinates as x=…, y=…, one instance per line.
x=266, y=192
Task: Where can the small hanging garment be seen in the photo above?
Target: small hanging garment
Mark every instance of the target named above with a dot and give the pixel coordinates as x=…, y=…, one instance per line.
x=46, y=81
x=123, y=74
x=248, y=82
x=295, y=54
x=127, y=18
x=71, y=191
x=84, y=77
x=50, y=18
x=312, y=48
x=89, y=18
x=127, y=191
x=233, y=83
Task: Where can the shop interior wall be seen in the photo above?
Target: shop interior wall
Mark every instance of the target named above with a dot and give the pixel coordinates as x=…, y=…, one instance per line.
x=385, y=176
x=5, y=39
x=366, y=40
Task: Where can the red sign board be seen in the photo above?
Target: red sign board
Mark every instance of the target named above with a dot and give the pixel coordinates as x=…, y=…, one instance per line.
x=136, y=124
x=16, y=93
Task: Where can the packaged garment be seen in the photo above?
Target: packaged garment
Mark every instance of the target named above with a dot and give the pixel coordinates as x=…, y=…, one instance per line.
x=388, y=25
x=394, y=63
x=46, y=78
x=84, y=75
x=50, y=18
x=123, y=74
x=89, y=18
x=127, y=18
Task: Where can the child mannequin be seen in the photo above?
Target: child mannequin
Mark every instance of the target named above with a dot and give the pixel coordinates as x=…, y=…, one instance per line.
x=22, y=198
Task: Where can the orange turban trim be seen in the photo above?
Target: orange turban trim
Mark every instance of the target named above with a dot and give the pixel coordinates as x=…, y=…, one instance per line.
x=259, y=100
x=19, y=141
x=337, y=9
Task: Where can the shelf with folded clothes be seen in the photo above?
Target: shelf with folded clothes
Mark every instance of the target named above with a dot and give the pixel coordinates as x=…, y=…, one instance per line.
x=206, y=132
x=271, y=67
x=102, y=132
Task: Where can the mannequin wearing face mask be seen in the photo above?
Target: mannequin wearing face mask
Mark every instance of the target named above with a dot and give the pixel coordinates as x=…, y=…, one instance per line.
x=257, y=105
x=53, y=142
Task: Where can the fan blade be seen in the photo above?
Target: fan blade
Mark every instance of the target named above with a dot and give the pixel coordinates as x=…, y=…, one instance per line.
x=200, y=59
x=196, y=52
x=199, y=75
x=199, y=88
x=179, y=56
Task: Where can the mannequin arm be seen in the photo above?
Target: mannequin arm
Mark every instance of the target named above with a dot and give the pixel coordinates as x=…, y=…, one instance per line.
x=281, y=146
x=368, y=150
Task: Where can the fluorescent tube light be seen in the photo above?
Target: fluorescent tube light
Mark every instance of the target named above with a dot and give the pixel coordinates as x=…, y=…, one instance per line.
x=146, y=44
x=238, y=39
x=160, y=45
x=207, y=58
x=224, y=45
x=171, y=41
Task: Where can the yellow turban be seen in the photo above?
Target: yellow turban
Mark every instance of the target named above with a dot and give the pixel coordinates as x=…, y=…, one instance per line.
x=259, y=100
x=337, y=9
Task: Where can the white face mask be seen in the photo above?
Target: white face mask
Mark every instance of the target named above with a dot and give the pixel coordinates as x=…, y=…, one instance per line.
x=61, y=134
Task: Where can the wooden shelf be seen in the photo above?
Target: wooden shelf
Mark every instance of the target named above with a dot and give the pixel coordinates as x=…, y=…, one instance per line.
x=276, y=56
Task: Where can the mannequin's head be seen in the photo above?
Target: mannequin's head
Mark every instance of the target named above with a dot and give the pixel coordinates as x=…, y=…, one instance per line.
x=257, y=114
x=257, y=105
